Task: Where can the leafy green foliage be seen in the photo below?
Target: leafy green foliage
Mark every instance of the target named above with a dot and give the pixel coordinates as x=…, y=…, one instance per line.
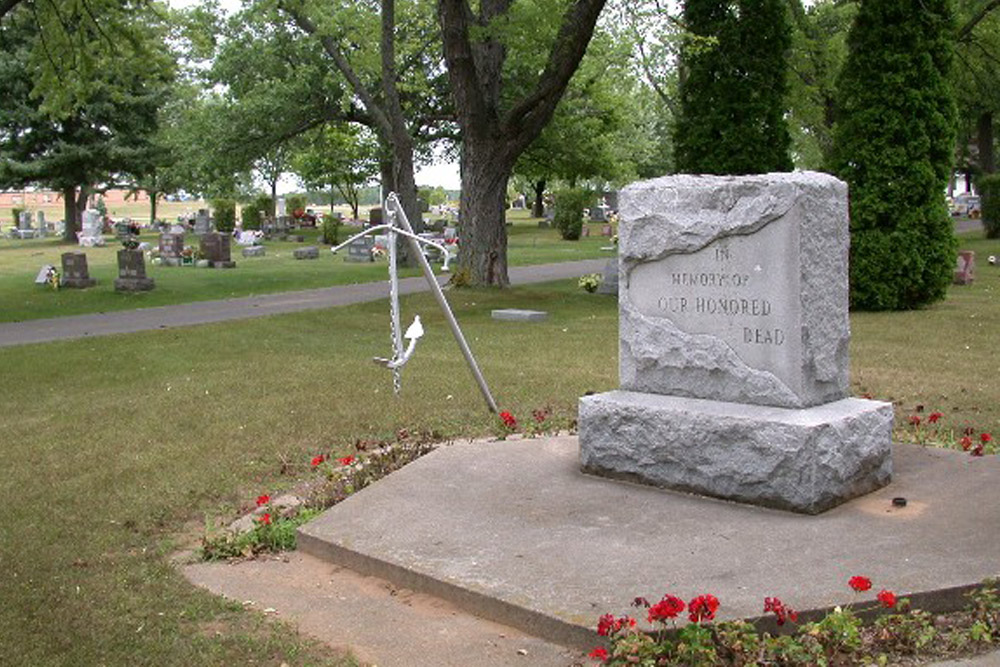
x=253, y=209
x=330, y=231
x=732, y=99
x=989, y=191
x=893, y=146
x=225, y=214
x=337, y=159
x=569, y=205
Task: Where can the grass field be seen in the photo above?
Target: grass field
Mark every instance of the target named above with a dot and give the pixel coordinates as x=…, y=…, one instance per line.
x=117, y=449
x=21, y=299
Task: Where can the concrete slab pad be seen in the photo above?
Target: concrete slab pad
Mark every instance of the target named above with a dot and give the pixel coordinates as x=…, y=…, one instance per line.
x=519, y=315
x=514, y=532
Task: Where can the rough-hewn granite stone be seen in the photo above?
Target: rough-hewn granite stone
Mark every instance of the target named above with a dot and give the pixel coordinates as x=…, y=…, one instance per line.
x=735, y=288
x=804, y=460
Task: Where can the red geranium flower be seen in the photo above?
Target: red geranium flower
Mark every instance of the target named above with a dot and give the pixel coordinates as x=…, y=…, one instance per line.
x=346, y=461
x=668, y=607
x=860, y=584
x=640, y=602
x=985, y=438
x=599, y=653
x=977, y=450
x=887, y=598
x=702, y=608
x=966, y=442
x=934, y=417
x=914, y=420
x=317, y=460
x=508, y=419
x=263, y=500
x=781, y=611
x=605, y=624
x=264, y=519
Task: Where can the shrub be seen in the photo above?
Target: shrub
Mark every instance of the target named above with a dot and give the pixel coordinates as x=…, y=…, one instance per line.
x=569, y=206
x=225, y=214
x=331, y=230
x=251, y=212
x=989, y=193
x=893, y=144
x=295, y=203
x=17, y=215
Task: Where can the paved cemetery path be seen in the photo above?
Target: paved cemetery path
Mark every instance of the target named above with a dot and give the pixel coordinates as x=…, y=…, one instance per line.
x=205, y=312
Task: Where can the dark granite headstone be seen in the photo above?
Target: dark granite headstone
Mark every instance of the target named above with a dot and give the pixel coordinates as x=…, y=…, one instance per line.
x=74, y=270
x=375, y=216
x=215, y=248
x=360, y=250
x=132, y=272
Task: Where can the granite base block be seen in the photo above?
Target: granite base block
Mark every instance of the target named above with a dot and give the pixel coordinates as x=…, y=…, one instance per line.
x=134, y=284
x=804, y=460
x=78, y=283
x=228, y=264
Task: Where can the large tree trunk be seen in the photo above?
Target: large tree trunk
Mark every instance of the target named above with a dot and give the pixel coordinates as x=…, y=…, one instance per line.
x=153, y=194
x=482, y=209
x=984, y=138
x=70, y=228
x=538, y=207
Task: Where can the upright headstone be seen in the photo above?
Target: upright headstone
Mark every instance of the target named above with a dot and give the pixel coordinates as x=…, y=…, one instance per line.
x=733, y=346
x=132, y=272
x=42, y=227
x=202, y=222
x=360, y=250
x=609, y=278
x=215, y=248
x=24, y=220
x=74, y=270
x=279, y=208
x=375, y=216
x=92, y=226
x=171, y=247
x=965, y=268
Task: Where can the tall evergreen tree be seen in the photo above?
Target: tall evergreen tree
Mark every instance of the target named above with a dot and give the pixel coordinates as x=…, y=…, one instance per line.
x=733, y=86
x=893, y=145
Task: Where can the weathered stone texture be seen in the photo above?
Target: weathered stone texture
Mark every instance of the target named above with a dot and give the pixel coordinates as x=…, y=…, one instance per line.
x=804, y=460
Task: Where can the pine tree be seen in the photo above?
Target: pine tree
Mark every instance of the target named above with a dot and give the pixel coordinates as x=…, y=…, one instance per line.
x=893, y=144
x=733, y=87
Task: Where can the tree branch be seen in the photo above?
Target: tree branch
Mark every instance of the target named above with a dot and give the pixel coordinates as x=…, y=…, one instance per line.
x=970, y=25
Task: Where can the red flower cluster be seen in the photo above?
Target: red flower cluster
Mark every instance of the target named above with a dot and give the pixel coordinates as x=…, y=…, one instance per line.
x=317, y=460
x=264, y=519
x=599, y=653
x=539, y=415
x=668, y=607
x=966, y=443
x=346, y=460
x=508, y=419
x=263, y=500
x=860, y=584
x=609, y=625
x=702, y=608
x=887, y=598
x=914, y=420
x=934, y=417
x=781, y=610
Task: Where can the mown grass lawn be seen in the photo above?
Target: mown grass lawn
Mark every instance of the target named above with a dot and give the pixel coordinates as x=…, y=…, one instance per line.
x=117, y=449
x=278, y=271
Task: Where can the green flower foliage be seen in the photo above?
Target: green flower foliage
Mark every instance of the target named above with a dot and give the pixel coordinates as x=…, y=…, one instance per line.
x=893, y=145
x=989, y=191
x=732, y=94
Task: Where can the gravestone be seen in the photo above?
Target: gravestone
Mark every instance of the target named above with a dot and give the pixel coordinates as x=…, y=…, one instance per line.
x=24, y=220
x=360, y=250
x=519, y=315
x=611, y=199
x=42, y=227
x=965, y=268
x=609, y=278
x=171, y=247
x=607, y=230
x=279, y=208
x=309, y=252
x=42, y=277
x=254, y=251
x=733, y=346
x=132, y=272
x=92, y=225
x=202, y=222
x=375, y=216
x=599, y=213
x=215, y=248
x=74, y=270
